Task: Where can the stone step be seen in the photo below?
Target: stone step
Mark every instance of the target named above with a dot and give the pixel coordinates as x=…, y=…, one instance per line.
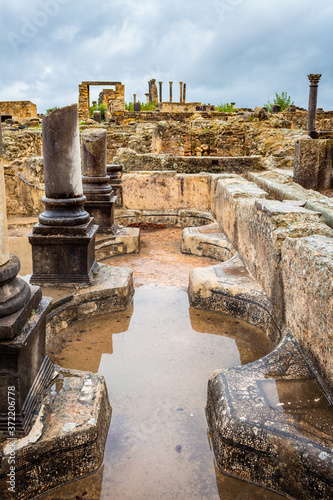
x=229, y=288
x=271, y=423
x=207, y=241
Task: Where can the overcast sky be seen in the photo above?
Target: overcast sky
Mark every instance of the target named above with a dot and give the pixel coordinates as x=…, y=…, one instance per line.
x=225, y=50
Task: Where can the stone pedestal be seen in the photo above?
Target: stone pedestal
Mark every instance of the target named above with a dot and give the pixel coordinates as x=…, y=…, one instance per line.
x=100, y=196
x=63, y=241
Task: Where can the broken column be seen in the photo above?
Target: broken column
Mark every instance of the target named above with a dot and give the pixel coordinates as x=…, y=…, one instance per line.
x=170, y=83
x=313, y=92
x=63, y=241
x=24, y=369
x=160, y=85
x=100, y=196
x=184, y=92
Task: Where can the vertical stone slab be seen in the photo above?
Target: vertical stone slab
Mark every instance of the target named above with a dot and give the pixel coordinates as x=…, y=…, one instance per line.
x=170, y=84
x=184, y=92
x=4, y=249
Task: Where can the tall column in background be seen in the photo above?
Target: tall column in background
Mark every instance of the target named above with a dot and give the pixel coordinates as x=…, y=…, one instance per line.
x=181, y=91
x=160, y=84
x=313, y=92
x=184, y=92
x=170, y=83
x=63, y=241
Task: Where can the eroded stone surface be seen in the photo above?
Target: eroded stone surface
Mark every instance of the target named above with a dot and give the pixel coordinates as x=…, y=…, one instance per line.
x=125, y=241
x=67, y=440
x=112, y=290
x=207, y=241
x=271, y=424
x=307, y=267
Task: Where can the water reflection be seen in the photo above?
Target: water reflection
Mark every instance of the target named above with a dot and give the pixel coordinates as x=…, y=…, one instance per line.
x=156, y=359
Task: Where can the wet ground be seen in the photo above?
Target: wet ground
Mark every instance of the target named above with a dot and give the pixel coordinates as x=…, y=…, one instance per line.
x=156, y=358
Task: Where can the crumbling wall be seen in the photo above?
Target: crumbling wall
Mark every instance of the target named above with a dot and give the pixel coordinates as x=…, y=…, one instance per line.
x=18, y=110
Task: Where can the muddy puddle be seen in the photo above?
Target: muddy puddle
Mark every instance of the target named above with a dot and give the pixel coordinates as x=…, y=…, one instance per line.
x=156, y=358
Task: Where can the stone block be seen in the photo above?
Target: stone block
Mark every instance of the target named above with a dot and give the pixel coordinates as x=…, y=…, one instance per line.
x=67, y=439
x=307, y=272
x=271, y=424
x=207, y=241
x=313, y=163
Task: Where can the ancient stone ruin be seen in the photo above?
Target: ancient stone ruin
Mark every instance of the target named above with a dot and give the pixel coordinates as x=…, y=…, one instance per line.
x=250, y=192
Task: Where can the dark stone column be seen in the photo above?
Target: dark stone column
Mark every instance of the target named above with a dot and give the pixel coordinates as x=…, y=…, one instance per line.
x=96, y=183
x=115, y=174
x=181, y=91
x=170, y=83
x=184, y=92
x=63, y=241
x=23, y=365
x=150, y=96
x=160, y=85
x=314, y=80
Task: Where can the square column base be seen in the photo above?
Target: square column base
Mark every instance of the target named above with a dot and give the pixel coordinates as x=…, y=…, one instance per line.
x=63, y=254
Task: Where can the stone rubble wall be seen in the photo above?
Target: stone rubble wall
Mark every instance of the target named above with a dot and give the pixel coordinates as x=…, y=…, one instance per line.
x=18, y=110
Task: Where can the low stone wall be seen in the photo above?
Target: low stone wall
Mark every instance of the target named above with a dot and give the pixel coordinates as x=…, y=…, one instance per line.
x=133, y=161
x=288, y=249
x=166, y=191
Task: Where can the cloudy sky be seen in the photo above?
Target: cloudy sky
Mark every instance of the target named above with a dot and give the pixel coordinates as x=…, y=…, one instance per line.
x=239, y=51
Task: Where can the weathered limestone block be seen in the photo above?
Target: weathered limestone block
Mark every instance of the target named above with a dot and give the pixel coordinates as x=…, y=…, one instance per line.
x=231, y=193
x=257, y=228
x=262, y=228
x=313, y=163
x=271, y=424
x=207, y=241
x=67, y=440
x=229, y=288
x=307, y=272
x=166, y=190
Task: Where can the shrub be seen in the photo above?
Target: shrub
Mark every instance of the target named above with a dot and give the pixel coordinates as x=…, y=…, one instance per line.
x=225, y=108
x=282, y=100
x=48, y=111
